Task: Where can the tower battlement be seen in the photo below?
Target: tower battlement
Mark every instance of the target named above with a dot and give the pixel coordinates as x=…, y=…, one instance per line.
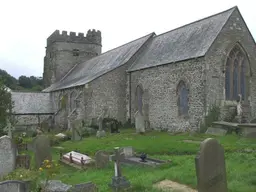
x=92, y=36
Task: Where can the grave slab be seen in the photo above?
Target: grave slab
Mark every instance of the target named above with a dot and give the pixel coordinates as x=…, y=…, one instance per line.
x=77, y=160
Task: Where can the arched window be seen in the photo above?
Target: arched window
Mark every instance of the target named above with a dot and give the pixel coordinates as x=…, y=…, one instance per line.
x=182, y=92
x=72, y=102
x=139, y=102
x=235, y=74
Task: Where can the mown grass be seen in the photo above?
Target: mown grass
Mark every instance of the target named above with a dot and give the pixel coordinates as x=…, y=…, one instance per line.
x=240, y=161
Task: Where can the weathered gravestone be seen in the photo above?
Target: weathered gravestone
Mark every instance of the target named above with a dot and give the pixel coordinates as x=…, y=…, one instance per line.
x=216, y=131
x=210, y=167
x=119, y=182
x=101, y=159
x=84, y=187
x=14, y=186
x=42, y=149
x=54, y=186
x=101, y=132
x=7, y=155
x=128, y=151
x=76, y=130
x=139, y=122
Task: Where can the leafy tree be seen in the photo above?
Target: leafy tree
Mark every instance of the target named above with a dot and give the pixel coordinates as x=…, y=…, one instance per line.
x=25, y=81
x=6, y=105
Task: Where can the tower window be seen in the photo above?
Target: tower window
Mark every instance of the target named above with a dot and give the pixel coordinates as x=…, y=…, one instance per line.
x=75, y=52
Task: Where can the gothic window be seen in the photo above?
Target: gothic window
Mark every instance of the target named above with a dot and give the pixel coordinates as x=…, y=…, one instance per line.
x=235, y=74
x=182, y=92
x=139, y=92
x=75, y=52
x=72, y=102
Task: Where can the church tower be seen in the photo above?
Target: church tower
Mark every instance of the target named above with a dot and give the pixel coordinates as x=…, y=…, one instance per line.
x=64, y=51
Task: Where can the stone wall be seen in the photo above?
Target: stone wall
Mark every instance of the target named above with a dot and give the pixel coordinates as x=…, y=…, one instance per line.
x=30, y=122
x=108, y=91
x=160, y=97
x=235, y=31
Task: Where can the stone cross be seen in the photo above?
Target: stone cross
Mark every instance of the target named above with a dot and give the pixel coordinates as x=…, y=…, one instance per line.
x=210, y=167
x=9, y=128
x=100, y=119
x=117, y=157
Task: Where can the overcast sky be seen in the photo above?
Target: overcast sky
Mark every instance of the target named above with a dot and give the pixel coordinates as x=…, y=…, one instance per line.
x=25, y=24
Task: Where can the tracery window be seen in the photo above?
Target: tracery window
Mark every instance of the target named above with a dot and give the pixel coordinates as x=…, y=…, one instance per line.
x=139, y=92
x=235, y=74
x=182, y=92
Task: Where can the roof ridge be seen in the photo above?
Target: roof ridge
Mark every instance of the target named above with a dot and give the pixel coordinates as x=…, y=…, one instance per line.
x=74, y=67
x=235, y=7
x=124, y=44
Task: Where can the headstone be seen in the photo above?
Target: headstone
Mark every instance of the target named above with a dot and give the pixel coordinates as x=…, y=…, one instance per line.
x=128, y=151
x=76, y=130
x=210, y=167
x=139, y=122
x=119, y=182
x=42, y=150
x=85, y=187
x=101, y=132
x=101, y=159
x=23, y=161
x=216, y=131
x=8, y=153
x=55, y=185
x=14, y=186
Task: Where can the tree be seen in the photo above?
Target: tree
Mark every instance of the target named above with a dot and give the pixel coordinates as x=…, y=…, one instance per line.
x=25, y=82
x=6, y=105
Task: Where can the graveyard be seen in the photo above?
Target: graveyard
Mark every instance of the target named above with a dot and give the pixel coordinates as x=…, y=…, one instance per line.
x=174, y=157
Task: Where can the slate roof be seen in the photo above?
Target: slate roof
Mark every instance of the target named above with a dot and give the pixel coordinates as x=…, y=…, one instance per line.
x=97, y=66
x=190, y=41
x=28, y=103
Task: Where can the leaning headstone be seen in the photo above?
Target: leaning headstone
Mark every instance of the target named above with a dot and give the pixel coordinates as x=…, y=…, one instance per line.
x=139, y=122
x=101, y=159
x=85, y=187
x=7, y=155
x=42, y=150
x=119, y=182
x=210, y=167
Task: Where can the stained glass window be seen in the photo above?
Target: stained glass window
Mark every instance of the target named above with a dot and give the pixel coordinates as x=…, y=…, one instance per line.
x=235, y=74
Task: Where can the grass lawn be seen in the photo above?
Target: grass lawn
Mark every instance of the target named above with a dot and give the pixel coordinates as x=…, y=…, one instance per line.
x=240, y=160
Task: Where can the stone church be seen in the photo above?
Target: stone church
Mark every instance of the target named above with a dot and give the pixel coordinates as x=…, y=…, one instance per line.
x=171, y=78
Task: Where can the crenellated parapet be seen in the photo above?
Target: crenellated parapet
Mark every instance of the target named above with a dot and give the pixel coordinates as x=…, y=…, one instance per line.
x=92, y=36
